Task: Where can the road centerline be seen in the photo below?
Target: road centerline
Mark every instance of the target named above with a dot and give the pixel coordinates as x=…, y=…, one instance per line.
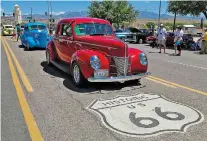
x=34, y=131
x=23, y=76
x=178, y=85
x=168, y=85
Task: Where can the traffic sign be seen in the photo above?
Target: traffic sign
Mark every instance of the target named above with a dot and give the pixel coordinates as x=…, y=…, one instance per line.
x=145, y=115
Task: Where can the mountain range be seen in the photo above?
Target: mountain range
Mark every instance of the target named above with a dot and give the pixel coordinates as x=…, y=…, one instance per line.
x=142, y=15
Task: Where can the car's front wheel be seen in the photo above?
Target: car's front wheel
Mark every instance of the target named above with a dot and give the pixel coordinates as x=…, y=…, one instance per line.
x=77, y=75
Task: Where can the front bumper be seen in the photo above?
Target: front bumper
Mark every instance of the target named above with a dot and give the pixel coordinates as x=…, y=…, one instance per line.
x=149, y=41
x=119, y=78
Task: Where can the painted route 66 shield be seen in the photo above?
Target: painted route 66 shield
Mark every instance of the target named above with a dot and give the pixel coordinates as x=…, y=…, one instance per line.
x=145, y=115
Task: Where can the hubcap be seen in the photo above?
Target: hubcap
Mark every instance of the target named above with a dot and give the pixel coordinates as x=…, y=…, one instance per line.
x=76, y=74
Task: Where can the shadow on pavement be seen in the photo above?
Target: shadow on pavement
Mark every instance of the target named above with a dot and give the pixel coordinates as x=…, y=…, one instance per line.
x=198, y=53
x=33, y=49
x=21, y=46
x=154, y=52
x=90, y=87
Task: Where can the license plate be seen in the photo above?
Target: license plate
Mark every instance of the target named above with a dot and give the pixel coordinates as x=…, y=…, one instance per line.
x=101, y=73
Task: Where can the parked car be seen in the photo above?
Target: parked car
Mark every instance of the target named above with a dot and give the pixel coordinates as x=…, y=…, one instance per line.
x=7, y=30
x=131, y=34
x=35, y=34
x=147, y=32
x=170, y=38
x=119, y=34
x=169, y=41
x=87, y=49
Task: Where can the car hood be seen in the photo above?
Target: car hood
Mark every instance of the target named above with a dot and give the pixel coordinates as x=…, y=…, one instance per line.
x=107, y=44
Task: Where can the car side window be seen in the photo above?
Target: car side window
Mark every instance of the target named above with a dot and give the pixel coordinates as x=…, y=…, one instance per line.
x=66, y=30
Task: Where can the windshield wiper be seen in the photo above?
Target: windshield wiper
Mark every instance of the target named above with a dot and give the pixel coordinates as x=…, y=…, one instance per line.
x=96, y=34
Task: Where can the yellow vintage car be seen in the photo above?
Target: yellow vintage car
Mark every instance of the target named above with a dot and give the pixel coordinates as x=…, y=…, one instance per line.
x=8, y=30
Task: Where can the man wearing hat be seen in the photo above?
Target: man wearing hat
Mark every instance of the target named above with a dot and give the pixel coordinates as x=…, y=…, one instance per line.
x=162, y=37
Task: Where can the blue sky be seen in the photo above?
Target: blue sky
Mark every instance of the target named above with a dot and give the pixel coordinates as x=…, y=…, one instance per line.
x=39, y=7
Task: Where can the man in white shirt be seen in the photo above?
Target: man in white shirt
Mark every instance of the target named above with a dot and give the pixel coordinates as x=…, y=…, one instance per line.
x=162, y=37
x=178, y=40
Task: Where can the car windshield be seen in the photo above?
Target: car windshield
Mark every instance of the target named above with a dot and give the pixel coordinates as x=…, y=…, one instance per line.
x=8, y=27
x=93, y=29
x=39, y=27
x=118, y=31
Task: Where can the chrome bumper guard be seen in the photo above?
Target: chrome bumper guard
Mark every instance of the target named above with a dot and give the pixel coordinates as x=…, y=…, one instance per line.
x=119, y=78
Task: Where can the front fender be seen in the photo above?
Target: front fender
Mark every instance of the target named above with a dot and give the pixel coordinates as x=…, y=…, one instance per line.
x=136, y=66
x=31, y=42
x=82, y=57
x=51, y=49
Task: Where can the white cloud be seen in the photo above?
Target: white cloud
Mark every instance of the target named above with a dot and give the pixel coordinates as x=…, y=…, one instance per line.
x=58, y=13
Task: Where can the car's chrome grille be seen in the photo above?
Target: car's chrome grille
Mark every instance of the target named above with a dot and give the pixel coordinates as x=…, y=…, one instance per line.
x=122, y=65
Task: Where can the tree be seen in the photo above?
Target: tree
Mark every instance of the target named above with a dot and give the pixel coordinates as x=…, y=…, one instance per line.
x=194, y=8
x=117, y=12
x=151, y=25
x=174, y=7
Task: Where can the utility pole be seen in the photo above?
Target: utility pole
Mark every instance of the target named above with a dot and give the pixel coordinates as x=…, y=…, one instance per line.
x=31, y=13
x=159, y=14
x=48, y=14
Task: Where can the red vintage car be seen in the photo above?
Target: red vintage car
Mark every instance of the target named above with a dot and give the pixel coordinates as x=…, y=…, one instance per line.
x=87, y=49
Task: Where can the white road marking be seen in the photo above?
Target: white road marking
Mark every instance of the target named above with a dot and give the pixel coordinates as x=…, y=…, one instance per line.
x=187, y=65
x=144, y=115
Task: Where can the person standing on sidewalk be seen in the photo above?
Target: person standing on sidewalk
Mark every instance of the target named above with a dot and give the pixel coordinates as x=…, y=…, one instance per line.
x=204, y=43
x=18, y=31
x=162, y=37
x=178, y=40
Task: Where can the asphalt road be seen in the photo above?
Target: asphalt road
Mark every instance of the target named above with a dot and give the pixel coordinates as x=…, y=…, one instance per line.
x=63, y=112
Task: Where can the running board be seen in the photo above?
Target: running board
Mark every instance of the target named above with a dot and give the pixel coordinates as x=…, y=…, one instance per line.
x=62, y=66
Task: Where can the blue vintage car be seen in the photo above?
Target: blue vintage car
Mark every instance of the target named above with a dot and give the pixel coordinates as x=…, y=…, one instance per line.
x=35, y=35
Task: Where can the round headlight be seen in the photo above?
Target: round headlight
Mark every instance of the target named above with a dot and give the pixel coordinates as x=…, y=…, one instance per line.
x=95, y=62
x=143, y=59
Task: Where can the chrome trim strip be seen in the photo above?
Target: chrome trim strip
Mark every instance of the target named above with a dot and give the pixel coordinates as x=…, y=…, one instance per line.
x=125, y=60
x=119, y=78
